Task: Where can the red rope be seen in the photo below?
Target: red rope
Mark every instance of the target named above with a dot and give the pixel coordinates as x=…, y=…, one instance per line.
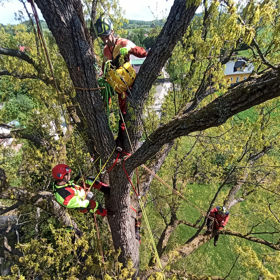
x=115, y=162
x=133, y=209
x=128, y=178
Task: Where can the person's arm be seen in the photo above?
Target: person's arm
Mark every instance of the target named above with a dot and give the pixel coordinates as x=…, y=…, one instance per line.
x=138, y=51
x=97, y=184
x=224, y=222
x=129, y=47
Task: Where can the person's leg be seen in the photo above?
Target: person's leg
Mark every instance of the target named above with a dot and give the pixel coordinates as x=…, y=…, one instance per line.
x=121, y=132
x=216, y=237
x=98, y=209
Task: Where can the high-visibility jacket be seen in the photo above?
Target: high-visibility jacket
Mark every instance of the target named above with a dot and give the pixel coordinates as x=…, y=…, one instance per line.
x=220, y=221
x=72, y=195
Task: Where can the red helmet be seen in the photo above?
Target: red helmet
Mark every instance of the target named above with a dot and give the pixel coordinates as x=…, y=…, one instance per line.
x=60, y=170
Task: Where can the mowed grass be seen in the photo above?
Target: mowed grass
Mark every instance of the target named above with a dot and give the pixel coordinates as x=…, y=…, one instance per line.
x=207, y=260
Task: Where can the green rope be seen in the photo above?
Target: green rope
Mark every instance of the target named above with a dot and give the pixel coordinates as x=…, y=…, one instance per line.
x=107, y=93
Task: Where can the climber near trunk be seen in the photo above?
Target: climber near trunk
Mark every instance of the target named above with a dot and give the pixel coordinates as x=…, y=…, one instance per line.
x=71, y=195
x=216, y=221
x=120, y=74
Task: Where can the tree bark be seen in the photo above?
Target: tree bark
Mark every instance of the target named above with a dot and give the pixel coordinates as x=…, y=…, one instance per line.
x=255, y=91
x=43, y=200
x=66, y=22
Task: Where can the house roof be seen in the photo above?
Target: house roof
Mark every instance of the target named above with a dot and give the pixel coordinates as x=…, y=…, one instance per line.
x=239, y=66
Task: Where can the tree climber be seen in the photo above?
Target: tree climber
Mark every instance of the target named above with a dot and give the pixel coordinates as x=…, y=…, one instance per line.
x=121, y=75
x=71, y=195
x=216, y=221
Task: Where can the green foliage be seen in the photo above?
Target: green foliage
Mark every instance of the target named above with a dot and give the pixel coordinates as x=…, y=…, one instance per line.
x=65, y=256
x=196, y=166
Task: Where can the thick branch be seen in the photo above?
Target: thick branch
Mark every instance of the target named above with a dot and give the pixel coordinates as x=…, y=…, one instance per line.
x=23, y=76
x=177, y=22
x=244, y=96
x=175, y=27
x=11, y=208
x=18, y=54
x=66, y=21
x=44, y=200
x=253, y=239
x=35, y=139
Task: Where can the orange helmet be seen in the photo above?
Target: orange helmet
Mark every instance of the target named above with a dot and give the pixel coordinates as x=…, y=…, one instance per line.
x=60, y=170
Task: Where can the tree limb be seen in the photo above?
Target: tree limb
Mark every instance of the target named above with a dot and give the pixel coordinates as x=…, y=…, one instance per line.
x=19, y=76
x=252, y=239
x=253, y=92
x=176, y=24
x=8, y=209
x=44, y=200
x=66, y=22
x=21, y=55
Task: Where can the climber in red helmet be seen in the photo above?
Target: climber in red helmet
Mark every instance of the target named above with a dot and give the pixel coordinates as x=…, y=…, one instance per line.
x=216, y=221
x=71, y=195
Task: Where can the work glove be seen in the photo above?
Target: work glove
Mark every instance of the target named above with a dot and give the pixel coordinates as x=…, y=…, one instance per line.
x=124, y=51
x=89, y=196
x=90, y=180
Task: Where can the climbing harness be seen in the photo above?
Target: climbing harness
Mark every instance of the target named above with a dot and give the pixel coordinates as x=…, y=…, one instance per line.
x=122, y=78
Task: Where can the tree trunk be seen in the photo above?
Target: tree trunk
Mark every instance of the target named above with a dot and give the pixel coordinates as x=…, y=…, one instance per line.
x=66, y=21
x=122, y=217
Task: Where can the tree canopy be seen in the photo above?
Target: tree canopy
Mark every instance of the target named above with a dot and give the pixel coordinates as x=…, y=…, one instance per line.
x=214, y=143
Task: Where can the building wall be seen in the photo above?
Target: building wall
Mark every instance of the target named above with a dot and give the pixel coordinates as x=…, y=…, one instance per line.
x=235, y=78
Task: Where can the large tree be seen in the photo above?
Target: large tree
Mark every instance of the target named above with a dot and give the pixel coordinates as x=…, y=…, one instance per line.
x=197, y=112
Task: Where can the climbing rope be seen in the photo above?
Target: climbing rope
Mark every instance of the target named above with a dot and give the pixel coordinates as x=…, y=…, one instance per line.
x=141, y=204
x=107, y=93
x=100, y=171
x=90, y=89
x=158, y=178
